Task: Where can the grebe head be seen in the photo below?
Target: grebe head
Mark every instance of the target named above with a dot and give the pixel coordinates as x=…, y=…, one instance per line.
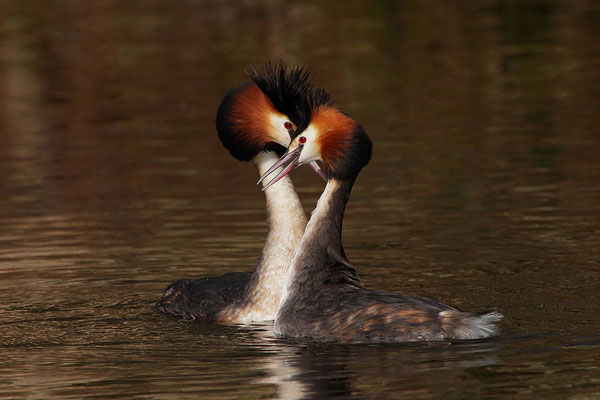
x=267, y=113
x=332, y=137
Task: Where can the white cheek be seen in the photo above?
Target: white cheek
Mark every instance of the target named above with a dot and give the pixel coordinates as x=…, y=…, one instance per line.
x=277, y=129
x=311, y=150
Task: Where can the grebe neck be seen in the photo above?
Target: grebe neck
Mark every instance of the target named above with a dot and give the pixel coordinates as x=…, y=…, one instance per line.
x=320, y=257
x=286, y=221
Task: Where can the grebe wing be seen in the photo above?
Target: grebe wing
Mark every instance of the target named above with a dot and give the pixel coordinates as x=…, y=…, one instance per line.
x=202, y=298
x=351, y=314
x=381, y=296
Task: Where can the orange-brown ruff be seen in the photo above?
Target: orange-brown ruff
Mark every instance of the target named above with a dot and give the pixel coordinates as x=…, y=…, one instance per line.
x=250, y=116
x=324, y=298
x=334, y=126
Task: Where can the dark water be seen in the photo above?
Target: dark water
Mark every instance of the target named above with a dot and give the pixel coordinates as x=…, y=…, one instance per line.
x=483, y=192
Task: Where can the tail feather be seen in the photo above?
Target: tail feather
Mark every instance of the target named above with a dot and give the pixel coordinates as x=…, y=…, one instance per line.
x=465, y=326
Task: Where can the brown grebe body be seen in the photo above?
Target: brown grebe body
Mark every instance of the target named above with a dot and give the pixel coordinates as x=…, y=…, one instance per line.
x=324, y=298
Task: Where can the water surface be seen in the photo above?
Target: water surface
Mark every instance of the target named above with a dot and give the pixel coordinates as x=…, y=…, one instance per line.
x=483, y=192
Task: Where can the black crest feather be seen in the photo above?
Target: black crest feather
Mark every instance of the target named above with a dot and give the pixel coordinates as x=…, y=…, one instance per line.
x=291, y=91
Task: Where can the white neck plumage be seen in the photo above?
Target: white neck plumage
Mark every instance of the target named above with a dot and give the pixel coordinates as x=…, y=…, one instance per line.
x=286, y=221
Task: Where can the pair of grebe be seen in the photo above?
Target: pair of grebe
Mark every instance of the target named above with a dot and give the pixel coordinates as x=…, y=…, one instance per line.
x=303, y=279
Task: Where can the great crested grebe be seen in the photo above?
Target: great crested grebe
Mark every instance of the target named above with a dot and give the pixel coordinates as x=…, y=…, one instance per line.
x=323, y=298
x=254, y=121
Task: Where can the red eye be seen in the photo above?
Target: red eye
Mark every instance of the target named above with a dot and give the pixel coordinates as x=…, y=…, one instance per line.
x=287, y=125
x=302, y=139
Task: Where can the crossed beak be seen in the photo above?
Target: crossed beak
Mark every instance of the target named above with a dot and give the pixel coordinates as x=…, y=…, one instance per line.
x=291, y=161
